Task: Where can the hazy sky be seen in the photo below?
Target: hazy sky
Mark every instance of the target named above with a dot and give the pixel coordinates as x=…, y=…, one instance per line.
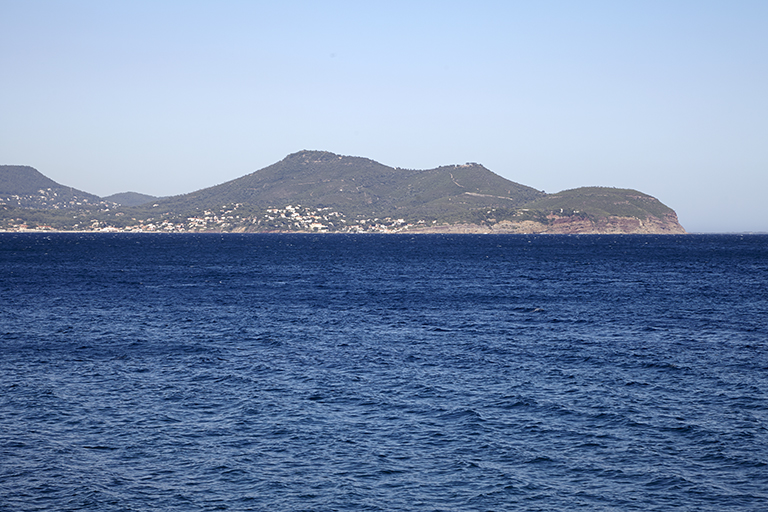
x=166, y=97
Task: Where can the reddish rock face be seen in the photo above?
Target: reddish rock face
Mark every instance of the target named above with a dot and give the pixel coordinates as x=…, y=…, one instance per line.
x=557, y=225
x=616, y=225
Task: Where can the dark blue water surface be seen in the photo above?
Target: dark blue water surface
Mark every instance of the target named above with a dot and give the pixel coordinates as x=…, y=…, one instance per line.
x=361, y=372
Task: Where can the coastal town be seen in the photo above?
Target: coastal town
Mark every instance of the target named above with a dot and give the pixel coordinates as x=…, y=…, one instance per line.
x=230, y=218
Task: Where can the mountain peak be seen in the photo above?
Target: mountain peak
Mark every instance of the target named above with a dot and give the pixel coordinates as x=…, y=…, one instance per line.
x=23, y=179
x=26, y=187
x=312, y=156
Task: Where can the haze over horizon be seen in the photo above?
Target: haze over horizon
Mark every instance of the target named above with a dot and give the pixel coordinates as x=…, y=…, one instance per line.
x=165, y=98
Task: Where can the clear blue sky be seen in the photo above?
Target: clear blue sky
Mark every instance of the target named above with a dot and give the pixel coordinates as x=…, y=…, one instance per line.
x=165, y=97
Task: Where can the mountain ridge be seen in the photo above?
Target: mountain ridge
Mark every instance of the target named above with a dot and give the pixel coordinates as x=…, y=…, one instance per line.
x=314, y=190
x=26, y=187
x=327, y=179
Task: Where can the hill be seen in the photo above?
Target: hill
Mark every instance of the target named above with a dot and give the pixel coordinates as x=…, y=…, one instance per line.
x=130, y=198
x=605, y=210
x=22, y=179
x=25, y=187
x=360, y=187
x=313, y=191
x=602, y=202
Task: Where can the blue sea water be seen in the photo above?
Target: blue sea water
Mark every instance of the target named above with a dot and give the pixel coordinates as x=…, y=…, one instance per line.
x=360, y=372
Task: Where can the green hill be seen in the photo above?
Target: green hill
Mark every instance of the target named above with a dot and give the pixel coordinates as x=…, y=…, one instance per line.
x=360, y=186
x=22, y=179
x=322, y=191
x=600, y=202
x=130, y=198
x=25, y=187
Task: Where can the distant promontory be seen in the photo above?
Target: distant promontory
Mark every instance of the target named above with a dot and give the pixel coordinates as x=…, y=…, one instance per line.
x=318, y=191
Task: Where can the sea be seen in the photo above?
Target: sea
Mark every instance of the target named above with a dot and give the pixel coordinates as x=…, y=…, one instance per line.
x=339, y=372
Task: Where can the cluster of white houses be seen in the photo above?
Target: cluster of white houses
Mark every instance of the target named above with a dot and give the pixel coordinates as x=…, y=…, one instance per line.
x=50, y=199
x=287, y=219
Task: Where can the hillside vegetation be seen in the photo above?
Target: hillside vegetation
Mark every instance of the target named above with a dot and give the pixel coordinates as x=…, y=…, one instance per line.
x=22, y=179
x=130, y=198
x=602, y=202
x=312, y=191
x=25, y=187
x=360, y=187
